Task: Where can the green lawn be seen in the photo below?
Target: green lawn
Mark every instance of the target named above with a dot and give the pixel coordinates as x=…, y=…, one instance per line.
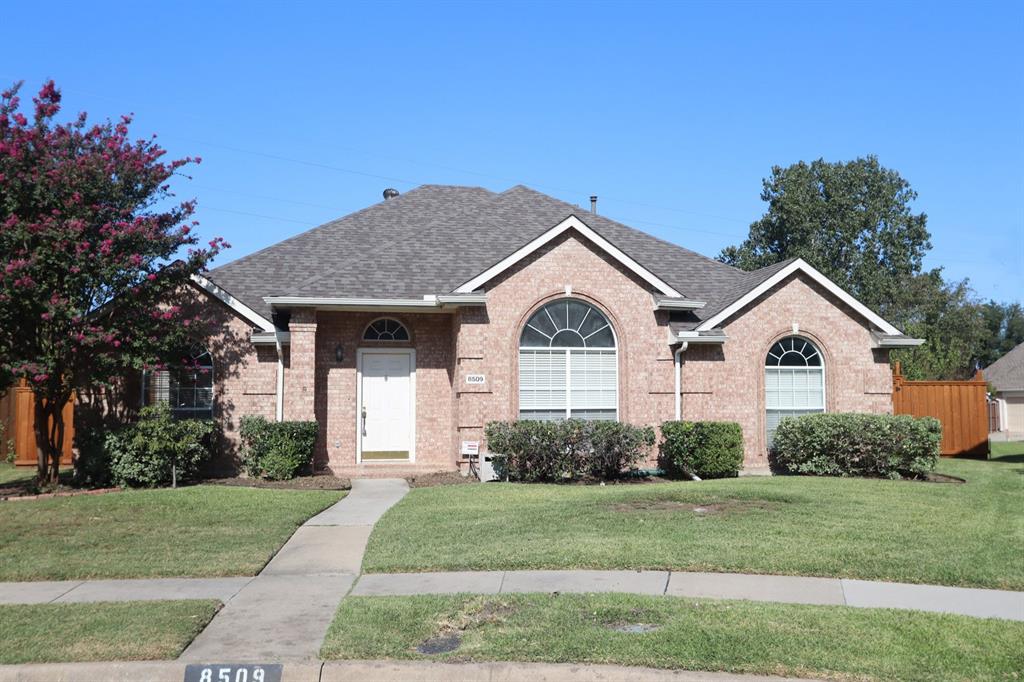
x=105, y=631
x=12, y=474
x=197, y=531
x=952, y=534
x=775, y=639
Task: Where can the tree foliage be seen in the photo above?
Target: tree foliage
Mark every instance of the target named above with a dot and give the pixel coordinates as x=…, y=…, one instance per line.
x=851, y=220
x=854, y=222
x=88, y=230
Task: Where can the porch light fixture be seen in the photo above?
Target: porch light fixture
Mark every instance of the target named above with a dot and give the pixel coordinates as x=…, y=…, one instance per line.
x=339, y=352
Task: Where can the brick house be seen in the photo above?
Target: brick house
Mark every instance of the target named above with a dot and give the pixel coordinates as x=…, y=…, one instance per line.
x=407, y=326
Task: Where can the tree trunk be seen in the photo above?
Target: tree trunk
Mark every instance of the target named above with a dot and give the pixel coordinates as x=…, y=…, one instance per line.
x=49, y=431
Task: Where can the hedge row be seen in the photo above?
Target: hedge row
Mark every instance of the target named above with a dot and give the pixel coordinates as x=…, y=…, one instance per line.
x=569, y=449
x=705, y=449
x=836, y=444
x=277, y=450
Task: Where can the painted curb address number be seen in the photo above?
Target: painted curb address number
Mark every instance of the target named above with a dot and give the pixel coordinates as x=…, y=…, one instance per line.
x=229, y=672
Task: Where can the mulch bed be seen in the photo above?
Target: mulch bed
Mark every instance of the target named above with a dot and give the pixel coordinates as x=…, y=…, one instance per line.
x=315, y=482
x=19, y=494
x=439, y=478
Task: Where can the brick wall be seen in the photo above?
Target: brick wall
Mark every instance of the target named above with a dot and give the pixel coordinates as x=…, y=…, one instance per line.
x=336, y=410
x=727, y=382
x=718, y=382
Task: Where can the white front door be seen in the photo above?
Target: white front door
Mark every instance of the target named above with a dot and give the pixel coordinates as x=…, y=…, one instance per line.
x=387, y=410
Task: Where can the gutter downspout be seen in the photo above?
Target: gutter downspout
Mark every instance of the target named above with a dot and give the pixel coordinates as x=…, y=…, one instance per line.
x=279, y=412
x=677, y=360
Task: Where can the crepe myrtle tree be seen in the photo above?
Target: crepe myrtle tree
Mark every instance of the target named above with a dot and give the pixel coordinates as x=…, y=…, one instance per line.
x=96, y=254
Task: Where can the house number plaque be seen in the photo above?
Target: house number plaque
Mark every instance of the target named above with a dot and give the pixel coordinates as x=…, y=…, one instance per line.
x=475, y=379
x=233, y=672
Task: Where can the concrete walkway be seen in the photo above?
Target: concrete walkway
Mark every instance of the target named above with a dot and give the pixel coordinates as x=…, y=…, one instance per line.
x=283, y=613
x=965, y=601
x=377, y=671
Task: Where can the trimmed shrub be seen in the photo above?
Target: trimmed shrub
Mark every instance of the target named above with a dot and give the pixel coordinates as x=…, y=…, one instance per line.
x=158, y=449
x=565, y=450
x=277, y=450
x=706, y=449
x=92, y=461
x=879, y=445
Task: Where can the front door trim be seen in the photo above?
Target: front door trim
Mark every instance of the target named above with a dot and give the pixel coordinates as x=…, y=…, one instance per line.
x=411, y=352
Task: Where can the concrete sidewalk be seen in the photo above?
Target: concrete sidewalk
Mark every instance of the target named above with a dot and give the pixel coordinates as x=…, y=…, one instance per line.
x=965, y=601
x=378, y=671
x=283, y=613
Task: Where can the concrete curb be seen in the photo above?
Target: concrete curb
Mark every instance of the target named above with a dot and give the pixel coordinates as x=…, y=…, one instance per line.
x=377, y=671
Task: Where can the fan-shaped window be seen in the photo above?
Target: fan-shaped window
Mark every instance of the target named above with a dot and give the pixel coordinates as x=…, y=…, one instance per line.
x=386, y=329
x=187, y=386
x=567, y=363
x=794, y=381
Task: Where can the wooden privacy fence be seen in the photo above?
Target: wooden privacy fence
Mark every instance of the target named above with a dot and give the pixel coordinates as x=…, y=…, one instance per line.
x=17, y=412
x=961, y=406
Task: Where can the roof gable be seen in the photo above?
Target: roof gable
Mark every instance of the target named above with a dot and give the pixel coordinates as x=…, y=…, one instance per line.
x=570, y=223
x=778, y=273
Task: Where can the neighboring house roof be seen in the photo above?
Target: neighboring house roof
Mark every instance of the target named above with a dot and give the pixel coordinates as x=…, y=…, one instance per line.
x=441, y=239
x=1007, y=373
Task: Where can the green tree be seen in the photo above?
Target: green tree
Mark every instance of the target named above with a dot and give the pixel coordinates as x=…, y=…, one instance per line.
x=853, y=221
x=850, y=220
x=1005, y=325
x=88, y=227
x=949, y=319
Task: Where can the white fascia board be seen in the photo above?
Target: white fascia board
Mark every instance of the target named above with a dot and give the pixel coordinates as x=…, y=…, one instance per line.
x=692, y=337
x=428, y=303
x=270, y=338
x=570, y=223
x=230, y=301
x=805, y=267
x=462, y=299
x=679, y=304
x=900, y=342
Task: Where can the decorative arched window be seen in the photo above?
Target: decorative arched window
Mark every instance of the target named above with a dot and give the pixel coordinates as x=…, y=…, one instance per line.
x=794, y=381
x=187, y=387
x=567, y=363
x=386, y=329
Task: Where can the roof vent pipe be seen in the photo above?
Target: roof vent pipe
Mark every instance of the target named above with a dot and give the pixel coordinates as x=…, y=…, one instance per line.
x=593, y=203
x=390, y=193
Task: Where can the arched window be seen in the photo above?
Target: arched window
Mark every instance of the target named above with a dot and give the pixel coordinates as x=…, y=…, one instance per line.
x=386, y=329
x=567, y=363
x=794, y=381
x=187, y=387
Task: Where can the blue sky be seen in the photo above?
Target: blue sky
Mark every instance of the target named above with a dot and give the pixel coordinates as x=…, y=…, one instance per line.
x=671, y=113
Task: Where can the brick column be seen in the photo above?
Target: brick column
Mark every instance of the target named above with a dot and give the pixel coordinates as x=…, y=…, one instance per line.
x=300, y=381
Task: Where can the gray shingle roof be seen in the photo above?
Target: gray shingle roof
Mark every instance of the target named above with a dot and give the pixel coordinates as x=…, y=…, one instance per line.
x=436, y=237
x=1007, y=373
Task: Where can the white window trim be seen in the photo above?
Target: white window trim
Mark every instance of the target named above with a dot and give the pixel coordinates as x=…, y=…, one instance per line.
x=390, y=319
x=568, y=361
x=824, y=382
x=570, y=223
x=803, y=266
x=360, y=352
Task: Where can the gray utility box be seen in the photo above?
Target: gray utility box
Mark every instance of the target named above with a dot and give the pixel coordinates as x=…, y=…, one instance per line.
x=485, y=467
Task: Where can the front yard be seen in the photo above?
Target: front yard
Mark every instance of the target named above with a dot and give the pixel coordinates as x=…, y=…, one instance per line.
x=969, y=534
x=200, y=531
x=771, y=639
x=105, y=631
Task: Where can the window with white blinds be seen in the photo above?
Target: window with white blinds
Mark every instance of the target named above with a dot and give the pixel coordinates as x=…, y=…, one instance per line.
x=567, y=364
x=187, y=388
x=794, y=381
